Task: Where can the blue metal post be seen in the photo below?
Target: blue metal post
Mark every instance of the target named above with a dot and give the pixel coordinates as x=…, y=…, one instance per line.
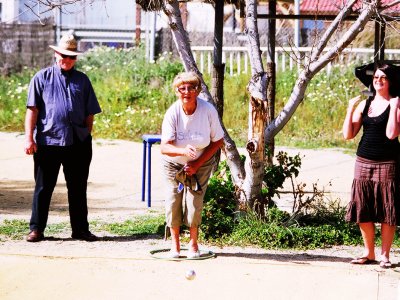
x=144, y=170
x=148, y=141
x=149, y=174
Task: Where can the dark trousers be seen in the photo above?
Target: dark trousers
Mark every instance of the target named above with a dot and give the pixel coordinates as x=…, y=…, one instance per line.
x=75, y=160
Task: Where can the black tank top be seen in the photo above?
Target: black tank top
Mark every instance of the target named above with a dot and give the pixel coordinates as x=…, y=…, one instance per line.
x=374, y=144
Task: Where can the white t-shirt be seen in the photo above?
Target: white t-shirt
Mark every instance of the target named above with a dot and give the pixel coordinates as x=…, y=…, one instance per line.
x=197, y=129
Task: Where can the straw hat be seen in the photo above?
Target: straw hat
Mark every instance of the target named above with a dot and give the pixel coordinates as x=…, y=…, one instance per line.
x=67, y=45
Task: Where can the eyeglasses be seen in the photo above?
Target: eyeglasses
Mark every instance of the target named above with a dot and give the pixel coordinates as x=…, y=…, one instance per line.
x=383, y=78
x=189, y=89
x=72, y=57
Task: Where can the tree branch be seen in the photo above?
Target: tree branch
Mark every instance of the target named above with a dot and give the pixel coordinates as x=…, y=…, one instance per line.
x=307, y=74
x=331, y=29
x=389, y=5
x=258, y=82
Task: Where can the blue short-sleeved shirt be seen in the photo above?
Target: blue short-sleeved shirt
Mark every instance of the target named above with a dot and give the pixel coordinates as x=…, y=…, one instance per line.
x=64, y=100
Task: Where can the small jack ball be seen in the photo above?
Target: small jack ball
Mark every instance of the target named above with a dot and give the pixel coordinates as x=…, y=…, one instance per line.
x=190, y=275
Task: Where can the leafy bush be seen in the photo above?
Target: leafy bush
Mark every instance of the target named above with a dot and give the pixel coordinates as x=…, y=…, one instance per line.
x=276, y=174
x=219, y=205
x=315, y=221
x=274, y=233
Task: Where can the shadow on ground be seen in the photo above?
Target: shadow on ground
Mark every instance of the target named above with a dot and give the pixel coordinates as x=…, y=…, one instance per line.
x=300, y=258
x=16, y=198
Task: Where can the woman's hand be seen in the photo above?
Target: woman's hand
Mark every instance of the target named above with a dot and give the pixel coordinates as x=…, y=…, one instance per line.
x=352, y=122
x=353, y=102
x=190, y=168
x=393, y=125
x=394, y=102
x=190, y=151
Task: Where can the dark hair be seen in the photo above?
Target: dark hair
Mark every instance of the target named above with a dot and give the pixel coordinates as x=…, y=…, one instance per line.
x=392, y=74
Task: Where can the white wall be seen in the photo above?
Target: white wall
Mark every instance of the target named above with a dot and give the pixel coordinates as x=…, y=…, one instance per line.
x=101, y=13
x=9, y=10
x=92, y=13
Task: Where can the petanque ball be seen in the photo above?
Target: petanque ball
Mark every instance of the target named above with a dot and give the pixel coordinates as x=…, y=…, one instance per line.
x=190, y=274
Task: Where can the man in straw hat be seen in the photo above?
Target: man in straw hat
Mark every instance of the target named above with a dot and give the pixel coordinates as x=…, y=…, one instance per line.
x=60, y=110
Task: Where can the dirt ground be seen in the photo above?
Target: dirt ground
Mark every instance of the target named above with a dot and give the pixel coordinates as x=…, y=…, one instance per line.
x=122, y=268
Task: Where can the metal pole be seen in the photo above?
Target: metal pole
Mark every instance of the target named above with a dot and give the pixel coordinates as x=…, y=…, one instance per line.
x=147, y=35
x=297, y=24
x=138, y=29
x=58, y=24
x=153, y=36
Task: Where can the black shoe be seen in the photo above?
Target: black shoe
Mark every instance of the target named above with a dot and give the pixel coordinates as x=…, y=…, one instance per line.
x=85, y=236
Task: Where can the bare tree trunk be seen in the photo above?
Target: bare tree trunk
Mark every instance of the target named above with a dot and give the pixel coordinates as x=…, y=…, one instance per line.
x=271, y=74
x=254, y=166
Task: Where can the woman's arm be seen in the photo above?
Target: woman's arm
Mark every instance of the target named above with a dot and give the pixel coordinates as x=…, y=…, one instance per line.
x=168, y=148
x=191, y=167
x=393, y=125
x=352, y=121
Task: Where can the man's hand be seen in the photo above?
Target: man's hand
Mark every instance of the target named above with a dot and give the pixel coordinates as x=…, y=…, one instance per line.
x=30, y=147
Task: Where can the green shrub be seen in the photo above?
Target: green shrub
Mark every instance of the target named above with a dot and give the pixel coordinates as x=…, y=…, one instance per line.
x=219, y=205
x=276, y=174
x=274, y=233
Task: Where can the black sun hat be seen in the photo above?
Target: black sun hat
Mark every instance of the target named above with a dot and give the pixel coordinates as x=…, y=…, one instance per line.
x=365, y=74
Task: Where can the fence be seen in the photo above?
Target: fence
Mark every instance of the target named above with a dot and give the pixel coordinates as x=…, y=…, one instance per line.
x=237, y=58
x=89, y=36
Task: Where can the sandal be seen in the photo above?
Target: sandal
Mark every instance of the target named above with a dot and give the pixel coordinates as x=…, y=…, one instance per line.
x=385, y=264
x=362, y=261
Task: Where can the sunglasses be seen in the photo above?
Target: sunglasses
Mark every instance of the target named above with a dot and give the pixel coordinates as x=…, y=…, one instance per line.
x=383, y=78
x=72, y=57
x=189, y=89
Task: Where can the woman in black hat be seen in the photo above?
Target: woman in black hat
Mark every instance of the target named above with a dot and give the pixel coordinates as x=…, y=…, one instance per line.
x=374, y=195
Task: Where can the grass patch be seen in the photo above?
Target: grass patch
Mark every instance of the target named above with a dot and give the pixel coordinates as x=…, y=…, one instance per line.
x=272, y=232
x=140, y=226
x=14, y=229
x=17, y=229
